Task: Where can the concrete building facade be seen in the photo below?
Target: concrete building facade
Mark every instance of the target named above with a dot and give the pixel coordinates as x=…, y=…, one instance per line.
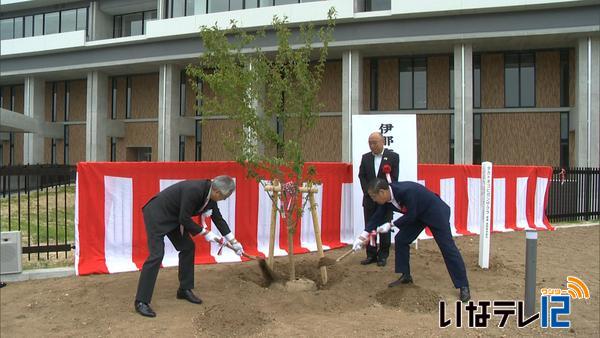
x=512, y=81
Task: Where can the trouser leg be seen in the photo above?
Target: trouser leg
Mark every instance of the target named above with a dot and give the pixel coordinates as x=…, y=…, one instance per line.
x=187, y=250
x=452, y=257
x=403, y=238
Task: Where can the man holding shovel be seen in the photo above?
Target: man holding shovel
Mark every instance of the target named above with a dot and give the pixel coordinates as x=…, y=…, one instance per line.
x=169, y=213
x=421, y=208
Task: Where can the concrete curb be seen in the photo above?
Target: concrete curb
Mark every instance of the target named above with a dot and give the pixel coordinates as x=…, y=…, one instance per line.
x=38, y=274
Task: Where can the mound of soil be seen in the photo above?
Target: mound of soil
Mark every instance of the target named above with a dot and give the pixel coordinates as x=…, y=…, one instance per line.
x=223, y=320
x=409, y=297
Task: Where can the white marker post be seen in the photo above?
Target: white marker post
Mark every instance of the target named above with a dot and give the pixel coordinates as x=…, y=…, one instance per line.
x=486, y=215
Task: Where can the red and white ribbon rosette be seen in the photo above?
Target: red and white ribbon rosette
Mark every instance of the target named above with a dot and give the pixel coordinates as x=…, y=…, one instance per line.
x=387, y=169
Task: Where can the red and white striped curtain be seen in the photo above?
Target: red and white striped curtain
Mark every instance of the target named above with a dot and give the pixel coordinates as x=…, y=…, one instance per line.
x=110, y=234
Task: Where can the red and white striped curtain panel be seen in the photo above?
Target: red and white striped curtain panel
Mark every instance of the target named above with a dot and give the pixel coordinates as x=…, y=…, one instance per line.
x=110, y=235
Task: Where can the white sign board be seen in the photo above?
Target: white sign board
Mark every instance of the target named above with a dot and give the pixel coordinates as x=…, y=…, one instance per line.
x=400, y=134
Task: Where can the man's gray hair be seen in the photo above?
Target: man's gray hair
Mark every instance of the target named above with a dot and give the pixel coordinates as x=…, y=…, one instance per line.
x=224, y=184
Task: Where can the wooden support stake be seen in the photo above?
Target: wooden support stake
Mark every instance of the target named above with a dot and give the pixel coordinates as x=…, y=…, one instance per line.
x=315, y=218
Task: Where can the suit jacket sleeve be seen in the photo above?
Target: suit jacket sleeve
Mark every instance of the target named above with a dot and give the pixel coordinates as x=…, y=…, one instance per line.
x=190, y=197
x=411, y=216
x=217, y=218
x=395, y=167
x=378, y=217
x=362, y=175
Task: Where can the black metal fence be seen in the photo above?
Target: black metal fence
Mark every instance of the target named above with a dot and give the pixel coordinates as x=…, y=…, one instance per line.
x=574, y=194
x=39, y=201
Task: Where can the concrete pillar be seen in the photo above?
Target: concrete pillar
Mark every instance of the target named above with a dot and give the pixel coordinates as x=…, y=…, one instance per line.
x=34, y=97
x=463, y=104
x=352, y=97
x=96, y=128
x=587, y=103
x=100, y=24
x=168, y=113
x=161, y=9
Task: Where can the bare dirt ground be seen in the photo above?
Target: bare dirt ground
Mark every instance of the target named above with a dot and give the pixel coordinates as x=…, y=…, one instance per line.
x=355, y=302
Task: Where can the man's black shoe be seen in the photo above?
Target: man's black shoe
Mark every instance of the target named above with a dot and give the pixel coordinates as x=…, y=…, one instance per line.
x=381, y=261
x=404, y=279
x=465, y=294
x=189, y=296
x=369, y=260
x=144, y=309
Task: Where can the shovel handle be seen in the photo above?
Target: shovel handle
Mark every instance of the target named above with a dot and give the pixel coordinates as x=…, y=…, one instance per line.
x=243, y=253
x=344, y=255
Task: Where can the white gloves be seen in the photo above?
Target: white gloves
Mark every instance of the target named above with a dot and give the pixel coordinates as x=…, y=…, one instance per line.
x=359, y=242
x=212, y=237
x=237, y=246
x=384, y=228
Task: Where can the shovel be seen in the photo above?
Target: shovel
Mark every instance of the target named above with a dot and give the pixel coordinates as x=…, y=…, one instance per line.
x=268, y=274
x=326, y=261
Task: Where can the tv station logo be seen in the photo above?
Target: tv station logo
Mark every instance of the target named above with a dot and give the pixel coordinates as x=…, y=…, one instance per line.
x=555, y=307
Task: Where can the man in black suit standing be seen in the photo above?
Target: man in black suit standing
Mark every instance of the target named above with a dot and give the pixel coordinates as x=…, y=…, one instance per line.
x=371, y=166
x=421, y=208
x=169, y=213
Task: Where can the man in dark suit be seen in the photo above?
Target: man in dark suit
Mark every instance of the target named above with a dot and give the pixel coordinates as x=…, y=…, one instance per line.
x=169, y=213
x=421, y=208
x=371, y=166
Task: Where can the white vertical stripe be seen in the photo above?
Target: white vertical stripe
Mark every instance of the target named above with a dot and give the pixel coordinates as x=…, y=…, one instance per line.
x=76, y=225
x=307, y=232
x=522, y=203
x=227, y=209
x=540, y=194
x=474, y=212
x=118, y=223
x=346, y=228
x=171, y=257
x=264, y=224
x=499, y=204
x=447, y=192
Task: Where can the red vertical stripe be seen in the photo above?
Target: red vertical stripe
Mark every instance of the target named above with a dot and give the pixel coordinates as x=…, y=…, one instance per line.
x=91, y=220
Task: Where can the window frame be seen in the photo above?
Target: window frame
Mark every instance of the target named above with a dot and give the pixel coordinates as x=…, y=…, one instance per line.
x=519, y=63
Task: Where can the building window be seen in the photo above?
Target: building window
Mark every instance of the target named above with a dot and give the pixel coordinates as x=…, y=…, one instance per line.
x=128, y=99
x=377, y=5
x=519, y=80
x=182, y=93
x=113, y=149
x=113, y=100
x=28, y=26
x=139, y=154
x=181, y=147
x=564, y=140
x=1, y=97
x=477, y=138
x=476, y=80
x=53, y=152
x=374, y=78
x=132, y=24
x=66, y=145
x=12, y=98
x=451, y=88
x=53, y=103
x=198, y=99
x=179, y=8
x=67, y=100
x=564, y=78
x=413, y=83
x=47, y=23
x=11, y=149
x=451, y=143
x=1, y=154
x=198, y=140
x=51, y=23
